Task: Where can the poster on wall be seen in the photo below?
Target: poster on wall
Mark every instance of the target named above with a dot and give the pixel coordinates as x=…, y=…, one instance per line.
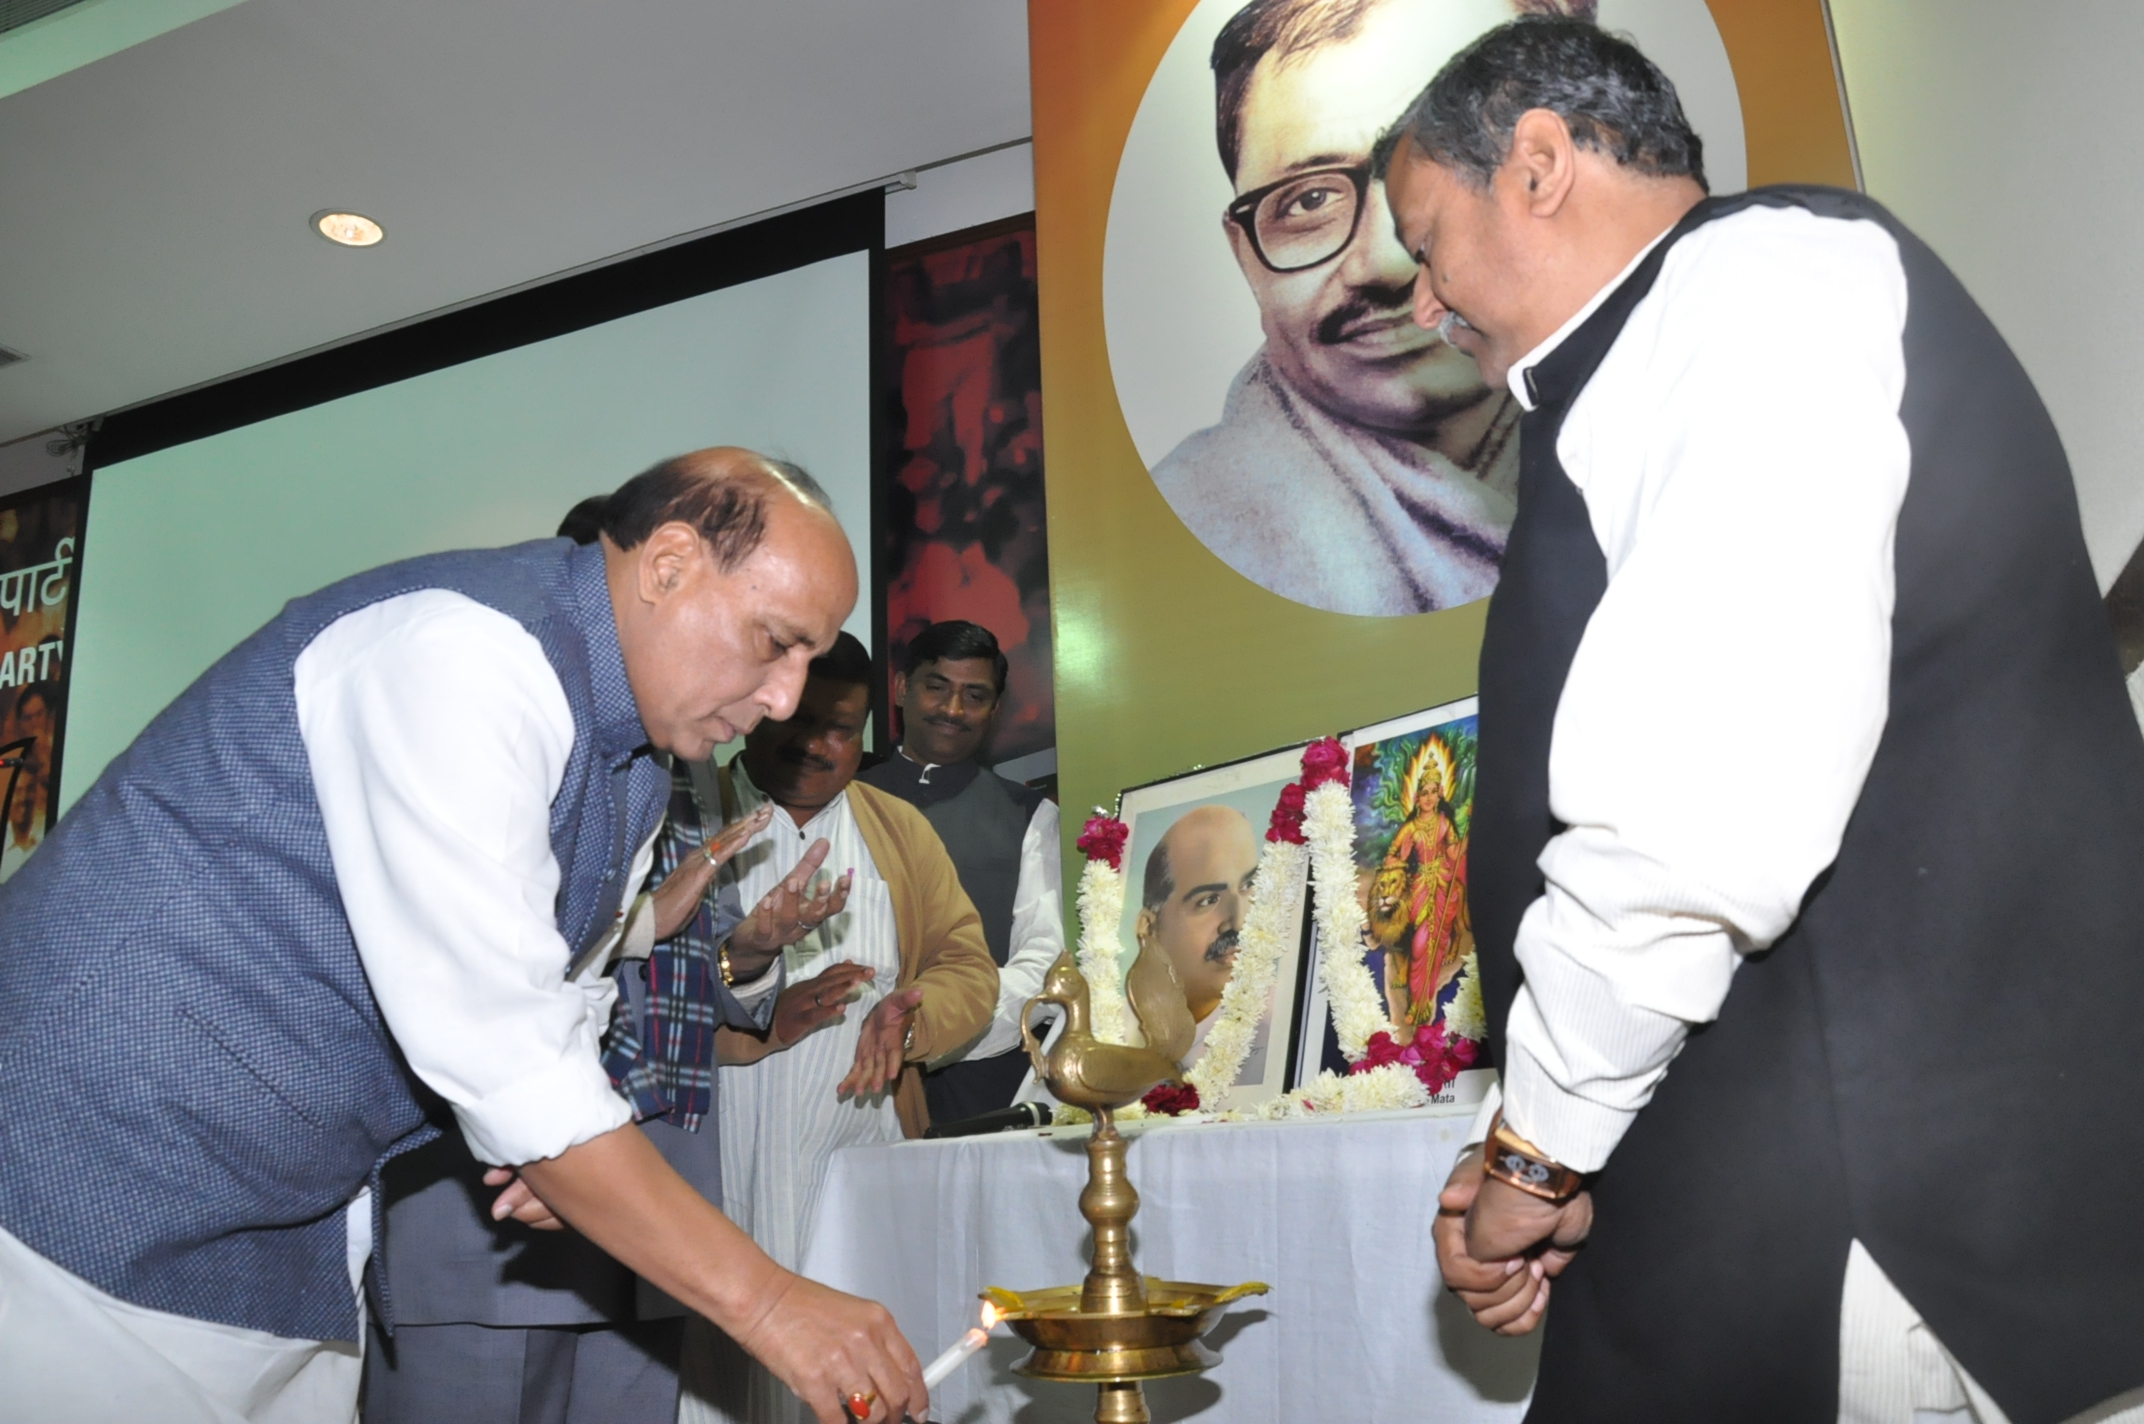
x=964, y=527
x=1259, y=308
x=1170, y=650
x=1411, y=781
x=40, y=544
x=1192, y=849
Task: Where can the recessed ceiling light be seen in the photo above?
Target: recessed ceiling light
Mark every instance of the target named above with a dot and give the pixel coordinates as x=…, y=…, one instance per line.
x=348, y=229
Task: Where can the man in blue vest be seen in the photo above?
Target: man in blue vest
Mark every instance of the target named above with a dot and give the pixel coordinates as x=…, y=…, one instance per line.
x=373, y=861
x=1809, y=803
x=503, y=1317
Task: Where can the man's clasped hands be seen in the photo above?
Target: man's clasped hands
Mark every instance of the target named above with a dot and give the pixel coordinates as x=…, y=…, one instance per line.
x=1499, y=1247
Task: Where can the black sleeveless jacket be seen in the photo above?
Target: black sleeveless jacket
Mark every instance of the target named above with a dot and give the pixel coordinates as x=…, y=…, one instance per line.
x=1943, y=1057
x=982, y=818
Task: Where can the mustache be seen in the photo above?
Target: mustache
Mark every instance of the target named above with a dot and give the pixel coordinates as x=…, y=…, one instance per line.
x=1376, y=299
x=797, y=756
x=1223, y=948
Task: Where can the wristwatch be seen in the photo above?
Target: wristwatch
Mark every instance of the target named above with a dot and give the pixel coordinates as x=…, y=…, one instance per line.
x=1515, y=1162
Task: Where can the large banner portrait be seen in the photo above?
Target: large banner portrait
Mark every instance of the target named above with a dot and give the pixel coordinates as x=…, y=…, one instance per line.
x=40, y=534
x=1259, y=308
x=1254, y=455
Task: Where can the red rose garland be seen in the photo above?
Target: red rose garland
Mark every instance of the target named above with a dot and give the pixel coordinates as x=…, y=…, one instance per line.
x=1323, y=761
x=1435, y=1057
x=1287, y=822
x=1103, y=838
x=1171, y=1099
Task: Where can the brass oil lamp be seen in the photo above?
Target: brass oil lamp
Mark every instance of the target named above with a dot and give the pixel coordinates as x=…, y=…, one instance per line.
x=1117, y=1328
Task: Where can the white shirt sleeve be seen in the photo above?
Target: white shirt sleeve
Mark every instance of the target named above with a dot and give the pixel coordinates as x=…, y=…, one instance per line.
x=1038, y=937
x=752, y=991
x=1038, y=932
x=1743, y=464
x=438, y=735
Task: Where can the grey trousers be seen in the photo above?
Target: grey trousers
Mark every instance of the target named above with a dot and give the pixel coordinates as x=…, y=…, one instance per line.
x=490, y=1374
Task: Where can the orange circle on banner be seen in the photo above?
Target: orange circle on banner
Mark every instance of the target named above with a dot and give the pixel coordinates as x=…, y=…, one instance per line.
x=1167, y=658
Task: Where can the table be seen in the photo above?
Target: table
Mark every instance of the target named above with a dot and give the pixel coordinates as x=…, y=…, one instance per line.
x=1334, y=1214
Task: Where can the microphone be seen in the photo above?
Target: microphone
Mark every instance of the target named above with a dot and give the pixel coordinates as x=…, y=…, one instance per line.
x=1019, y=1115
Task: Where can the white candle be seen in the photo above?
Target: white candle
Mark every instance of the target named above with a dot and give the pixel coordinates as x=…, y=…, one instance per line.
x=942, y=1367
x=951, y=1360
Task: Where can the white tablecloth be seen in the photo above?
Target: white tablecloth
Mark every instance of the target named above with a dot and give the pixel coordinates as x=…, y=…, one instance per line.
x=1334, y=1215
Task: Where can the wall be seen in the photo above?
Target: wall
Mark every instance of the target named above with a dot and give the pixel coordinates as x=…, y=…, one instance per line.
x=2001, y=133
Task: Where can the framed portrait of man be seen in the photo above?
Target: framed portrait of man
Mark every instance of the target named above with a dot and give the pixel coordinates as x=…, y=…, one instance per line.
x=1194, y=846
x=1258, y=308
x=1411, y=782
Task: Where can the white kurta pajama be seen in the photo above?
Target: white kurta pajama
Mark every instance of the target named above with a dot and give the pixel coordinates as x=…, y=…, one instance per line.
x=780, y=1119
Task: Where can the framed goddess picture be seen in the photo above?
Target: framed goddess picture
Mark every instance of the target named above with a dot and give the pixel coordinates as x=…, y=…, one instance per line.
x=1193, y=851
x=1411, y=781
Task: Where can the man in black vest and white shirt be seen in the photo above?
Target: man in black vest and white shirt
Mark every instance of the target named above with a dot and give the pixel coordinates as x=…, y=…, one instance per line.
x=1805, y=768
x=1002, y=837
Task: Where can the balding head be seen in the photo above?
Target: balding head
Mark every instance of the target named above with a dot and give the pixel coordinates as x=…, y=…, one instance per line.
x=728, y=575
x=722, y=492
x=1193, y=908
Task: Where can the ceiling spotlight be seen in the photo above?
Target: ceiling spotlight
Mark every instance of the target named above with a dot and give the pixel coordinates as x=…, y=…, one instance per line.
x=348, y=229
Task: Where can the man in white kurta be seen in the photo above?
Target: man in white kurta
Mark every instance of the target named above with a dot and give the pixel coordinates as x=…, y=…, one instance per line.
x=785, y=1114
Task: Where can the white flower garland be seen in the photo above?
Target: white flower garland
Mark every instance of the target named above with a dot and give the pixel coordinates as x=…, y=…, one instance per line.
x=1358, y=1009
x=1465, y=1017
x=1381, y=1089
x=1276, y=897
x=1101, y=905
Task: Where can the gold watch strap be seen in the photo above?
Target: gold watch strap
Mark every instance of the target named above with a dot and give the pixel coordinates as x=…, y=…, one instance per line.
x=1515, y=1162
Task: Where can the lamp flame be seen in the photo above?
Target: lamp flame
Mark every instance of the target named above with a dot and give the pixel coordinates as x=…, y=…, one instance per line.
x=991, y=1317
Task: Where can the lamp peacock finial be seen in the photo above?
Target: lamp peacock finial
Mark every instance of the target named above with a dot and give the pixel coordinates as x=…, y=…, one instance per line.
x=1081, y=1069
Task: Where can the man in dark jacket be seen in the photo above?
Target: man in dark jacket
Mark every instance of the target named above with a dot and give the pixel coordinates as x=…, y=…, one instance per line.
x=1002, y=837
x=1799, y=718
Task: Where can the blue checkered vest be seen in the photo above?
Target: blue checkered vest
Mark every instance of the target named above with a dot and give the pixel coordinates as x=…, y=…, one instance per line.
x=194, y=1078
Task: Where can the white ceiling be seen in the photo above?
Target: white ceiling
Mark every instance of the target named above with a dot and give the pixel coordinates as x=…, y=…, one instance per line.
x=154, y=204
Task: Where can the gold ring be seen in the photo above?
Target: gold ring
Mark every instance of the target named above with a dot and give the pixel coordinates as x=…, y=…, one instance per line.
x=860, y=1402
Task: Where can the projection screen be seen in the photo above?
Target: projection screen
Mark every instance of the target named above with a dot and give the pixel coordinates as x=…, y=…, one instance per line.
x=190, y=548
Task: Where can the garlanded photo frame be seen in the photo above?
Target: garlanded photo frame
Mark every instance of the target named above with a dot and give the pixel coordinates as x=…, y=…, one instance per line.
x=1195, y=844
x=1397, y=973
x=1379, y=1065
